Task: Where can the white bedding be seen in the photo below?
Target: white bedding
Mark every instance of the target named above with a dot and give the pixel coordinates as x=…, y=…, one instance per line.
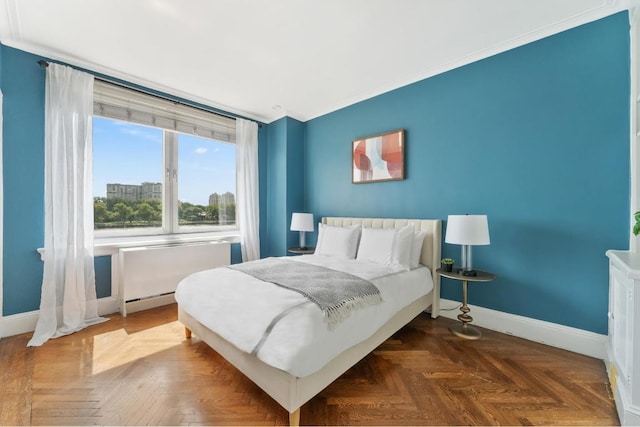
x=239, y=308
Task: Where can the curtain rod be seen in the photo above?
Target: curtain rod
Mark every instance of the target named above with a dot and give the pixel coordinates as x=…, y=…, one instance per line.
x=45, y=64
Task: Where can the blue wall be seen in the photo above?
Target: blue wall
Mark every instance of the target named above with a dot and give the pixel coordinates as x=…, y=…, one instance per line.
x=23, y=168
x=102, y=266
x=295, y=170
x=23, y=85
x=285, y=182
x=277, y=185
x=537, y=138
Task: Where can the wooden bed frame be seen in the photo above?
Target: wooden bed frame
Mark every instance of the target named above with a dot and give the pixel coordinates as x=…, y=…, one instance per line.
x=292, y=392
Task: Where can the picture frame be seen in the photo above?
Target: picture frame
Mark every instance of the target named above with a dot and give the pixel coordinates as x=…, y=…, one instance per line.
x=378, y=158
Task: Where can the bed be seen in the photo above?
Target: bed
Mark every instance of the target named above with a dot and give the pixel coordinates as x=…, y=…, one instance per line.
x=287, y=380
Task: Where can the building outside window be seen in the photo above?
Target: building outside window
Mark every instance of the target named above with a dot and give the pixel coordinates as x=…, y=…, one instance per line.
x=150, y=176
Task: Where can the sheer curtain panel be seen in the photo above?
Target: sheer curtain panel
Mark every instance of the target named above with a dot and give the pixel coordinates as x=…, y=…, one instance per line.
x=247, y=203
x=68, y=300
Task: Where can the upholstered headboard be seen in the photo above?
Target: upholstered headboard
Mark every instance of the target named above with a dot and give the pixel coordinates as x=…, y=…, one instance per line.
x=431, y=247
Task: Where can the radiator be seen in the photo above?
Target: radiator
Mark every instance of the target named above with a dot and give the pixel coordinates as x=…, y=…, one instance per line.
x=148, y=276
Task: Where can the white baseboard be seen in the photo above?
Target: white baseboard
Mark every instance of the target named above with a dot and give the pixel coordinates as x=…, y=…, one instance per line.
x=20, y=323
x=628, y=414
x=26, y=322
x=107, y=305
x=553, y=334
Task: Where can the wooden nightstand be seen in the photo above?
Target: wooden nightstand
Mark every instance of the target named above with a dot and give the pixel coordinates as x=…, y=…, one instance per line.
x=302, y=251
x=464, y=329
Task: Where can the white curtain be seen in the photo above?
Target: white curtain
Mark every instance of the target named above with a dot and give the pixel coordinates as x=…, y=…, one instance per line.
x=248, y=210
x=68, y=301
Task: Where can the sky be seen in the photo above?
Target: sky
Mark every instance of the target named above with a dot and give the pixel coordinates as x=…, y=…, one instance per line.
x=126, y=153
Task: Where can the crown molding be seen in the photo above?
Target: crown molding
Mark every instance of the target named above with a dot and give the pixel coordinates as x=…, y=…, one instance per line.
x=9, y=22
x=10, y=35
x=108, y=72
x=634, y=11
x=606, y=8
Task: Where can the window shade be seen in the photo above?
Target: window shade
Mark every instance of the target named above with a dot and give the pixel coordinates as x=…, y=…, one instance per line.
x=119, y=103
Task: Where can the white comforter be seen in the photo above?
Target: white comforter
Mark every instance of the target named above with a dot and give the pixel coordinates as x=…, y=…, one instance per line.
x=239, y=308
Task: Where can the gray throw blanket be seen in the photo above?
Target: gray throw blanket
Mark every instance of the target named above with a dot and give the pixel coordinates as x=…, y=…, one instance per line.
x=336, y=293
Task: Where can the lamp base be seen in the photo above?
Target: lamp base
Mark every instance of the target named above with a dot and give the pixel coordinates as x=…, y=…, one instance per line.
x=303, y=241
x=470, y=273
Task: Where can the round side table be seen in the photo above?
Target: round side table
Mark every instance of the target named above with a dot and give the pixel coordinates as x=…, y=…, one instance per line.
x=302, y=251
x=464, y=329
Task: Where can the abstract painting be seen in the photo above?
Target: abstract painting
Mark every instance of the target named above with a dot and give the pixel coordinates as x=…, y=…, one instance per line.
x=378, y=158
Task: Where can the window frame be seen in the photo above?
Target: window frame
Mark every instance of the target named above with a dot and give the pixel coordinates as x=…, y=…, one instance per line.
x=170, y=139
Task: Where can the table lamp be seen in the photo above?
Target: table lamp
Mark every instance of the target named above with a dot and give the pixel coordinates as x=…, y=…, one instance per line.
x=302, y=222
x=468, y=231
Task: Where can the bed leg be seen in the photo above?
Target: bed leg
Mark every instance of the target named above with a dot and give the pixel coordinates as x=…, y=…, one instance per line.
x=187, y=332
x=294, y=418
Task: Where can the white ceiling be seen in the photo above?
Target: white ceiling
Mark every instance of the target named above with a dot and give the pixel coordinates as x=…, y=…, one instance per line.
x=265, y=59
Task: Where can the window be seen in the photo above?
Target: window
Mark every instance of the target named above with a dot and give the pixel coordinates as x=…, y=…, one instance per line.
x=127, y=167
x=206, y=182
x=160, y=167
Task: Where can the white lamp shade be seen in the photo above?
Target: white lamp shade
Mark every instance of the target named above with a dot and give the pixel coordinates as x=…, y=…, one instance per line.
x=301, y=222
x=467, y=230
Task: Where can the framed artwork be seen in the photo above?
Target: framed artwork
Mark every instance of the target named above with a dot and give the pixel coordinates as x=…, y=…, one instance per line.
x=378, y=158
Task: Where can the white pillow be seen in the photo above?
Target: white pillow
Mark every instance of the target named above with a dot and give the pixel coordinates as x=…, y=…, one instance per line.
x=337, y=241
x=376, y=245
x=402, y=245
x=416, y=248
